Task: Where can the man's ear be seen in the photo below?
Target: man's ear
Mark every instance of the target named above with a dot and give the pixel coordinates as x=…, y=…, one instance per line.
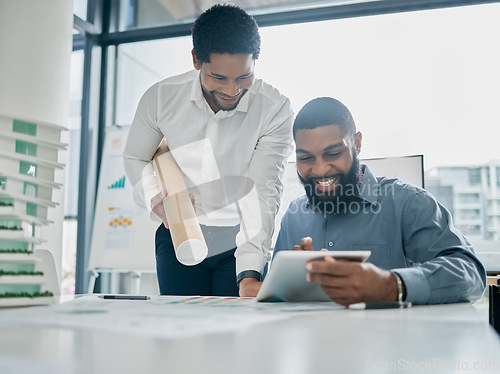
x=196, y=62
x=358, y=139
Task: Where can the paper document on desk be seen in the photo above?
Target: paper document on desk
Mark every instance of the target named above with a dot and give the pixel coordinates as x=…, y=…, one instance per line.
x=161, y=316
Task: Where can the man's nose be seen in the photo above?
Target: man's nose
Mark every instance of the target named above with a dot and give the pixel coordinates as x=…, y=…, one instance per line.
x=321, y=169
x=232, y=89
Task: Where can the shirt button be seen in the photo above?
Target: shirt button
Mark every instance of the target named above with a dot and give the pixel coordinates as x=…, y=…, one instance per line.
x=330, y=244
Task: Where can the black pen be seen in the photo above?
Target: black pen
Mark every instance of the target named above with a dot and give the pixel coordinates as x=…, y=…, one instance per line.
x=124, y=297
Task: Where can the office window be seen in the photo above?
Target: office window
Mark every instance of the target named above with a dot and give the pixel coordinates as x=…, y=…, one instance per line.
x=30, y=189
x=5, y=201
x=3, y=183
x=80, y=8
x=10, y=224
x=468, y=198
x=72, y=137
x=31, y=209
x=140, y=65
x=27, y=168
x=473, y=230
x=412, y=89
x=422, y=82
x=154, y=13
x=475, y=176
x=468, y=214
x=9, y=245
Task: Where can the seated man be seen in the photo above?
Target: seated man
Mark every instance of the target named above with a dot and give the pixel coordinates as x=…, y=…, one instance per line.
x=417, y=254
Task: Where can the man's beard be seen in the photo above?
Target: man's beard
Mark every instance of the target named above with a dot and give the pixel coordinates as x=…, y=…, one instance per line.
x=347, y=191
x=216, y=101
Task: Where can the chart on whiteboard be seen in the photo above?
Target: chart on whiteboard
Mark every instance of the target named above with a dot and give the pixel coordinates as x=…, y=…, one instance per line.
x=119, y=228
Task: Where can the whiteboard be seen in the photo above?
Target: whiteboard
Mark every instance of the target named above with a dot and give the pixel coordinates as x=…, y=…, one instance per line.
x=407, y=168
x=123, y=233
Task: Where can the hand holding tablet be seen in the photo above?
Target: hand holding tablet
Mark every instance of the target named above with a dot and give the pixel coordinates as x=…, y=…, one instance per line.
x=287, y=281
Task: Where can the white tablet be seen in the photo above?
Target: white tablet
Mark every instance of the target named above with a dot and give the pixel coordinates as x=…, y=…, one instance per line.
x=286, y=280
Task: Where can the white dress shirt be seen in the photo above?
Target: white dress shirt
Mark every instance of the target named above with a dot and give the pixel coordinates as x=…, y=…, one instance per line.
x=253, y=140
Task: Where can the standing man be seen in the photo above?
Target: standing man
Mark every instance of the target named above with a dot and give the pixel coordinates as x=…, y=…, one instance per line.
x=218, y=120
x=417, y=254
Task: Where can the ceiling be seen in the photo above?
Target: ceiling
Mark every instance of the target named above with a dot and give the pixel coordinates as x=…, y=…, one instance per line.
x=190, y=9
x=151, y=13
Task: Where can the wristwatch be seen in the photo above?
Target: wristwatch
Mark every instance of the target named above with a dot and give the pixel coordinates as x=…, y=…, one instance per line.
x=247, y=274
x=400, y=286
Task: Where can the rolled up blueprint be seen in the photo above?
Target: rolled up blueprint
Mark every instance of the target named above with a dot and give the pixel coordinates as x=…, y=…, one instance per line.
x=189, y=243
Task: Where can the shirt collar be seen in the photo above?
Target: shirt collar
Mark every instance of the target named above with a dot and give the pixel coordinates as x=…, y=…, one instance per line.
x=370, y=188
x=199, y=99
x=197, y=93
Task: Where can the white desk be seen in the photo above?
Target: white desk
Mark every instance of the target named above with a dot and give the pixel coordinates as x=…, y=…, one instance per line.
x=441, y=339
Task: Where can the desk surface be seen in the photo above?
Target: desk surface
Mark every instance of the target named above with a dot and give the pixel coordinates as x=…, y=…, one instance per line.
x=441, y=338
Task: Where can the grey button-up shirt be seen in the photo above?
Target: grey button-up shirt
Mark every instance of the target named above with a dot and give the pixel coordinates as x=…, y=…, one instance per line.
x=406, y=230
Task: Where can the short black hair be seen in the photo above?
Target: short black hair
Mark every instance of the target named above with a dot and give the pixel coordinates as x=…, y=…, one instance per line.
x=225, y=28
x=324, y=111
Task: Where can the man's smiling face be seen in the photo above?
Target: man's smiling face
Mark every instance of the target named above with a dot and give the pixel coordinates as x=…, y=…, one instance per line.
x=328, y=166
x=325, y=157
x=225, y=79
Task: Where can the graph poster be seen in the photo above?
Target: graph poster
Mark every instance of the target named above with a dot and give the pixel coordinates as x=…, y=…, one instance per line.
x=119, y=231
x=123, y=233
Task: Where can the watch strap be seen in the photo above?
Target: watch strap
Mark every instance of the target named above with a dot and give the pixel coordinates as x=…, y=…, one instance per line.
x=247, y=274
x=400, y=286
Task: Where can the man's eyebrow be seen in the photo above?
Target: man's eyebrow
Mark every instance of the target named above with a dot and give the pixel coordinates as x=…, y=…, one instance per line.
x=332, y=146
x=336, y=145
x=223, y=76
